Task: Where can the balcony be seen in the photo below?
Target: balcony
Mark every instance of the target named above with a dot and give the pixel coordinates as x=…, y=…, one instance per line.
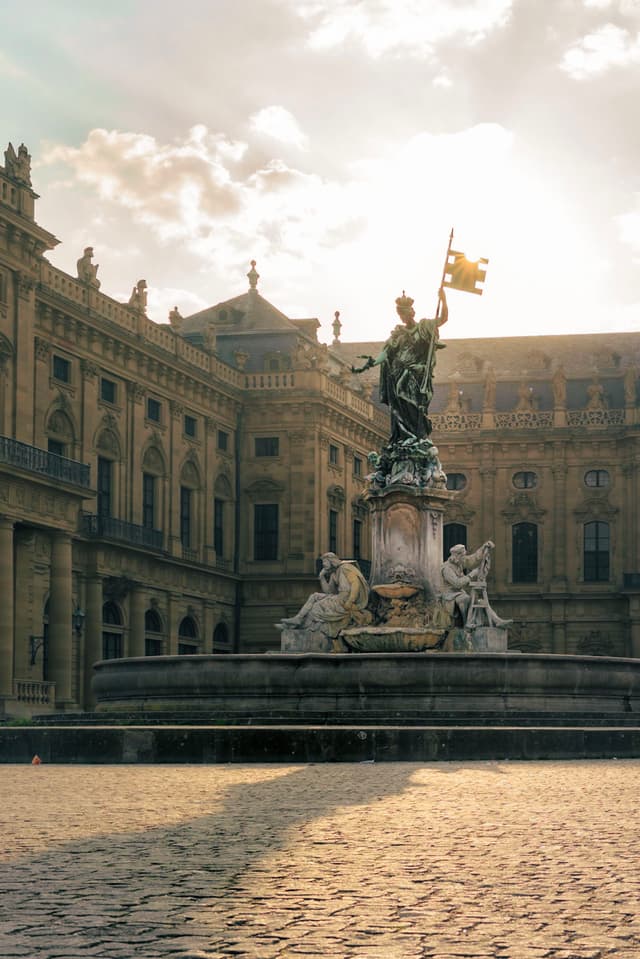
x=45, y=464
x=108, y=527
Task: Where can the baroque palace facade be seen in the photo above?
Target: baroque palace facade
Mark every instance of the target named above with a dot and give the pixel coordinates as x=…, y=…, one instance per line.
x=168, y=488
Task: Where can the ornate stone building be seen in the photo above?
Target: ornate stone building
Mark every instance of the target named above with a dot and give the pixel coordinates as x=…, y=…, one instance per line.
x=168, y=488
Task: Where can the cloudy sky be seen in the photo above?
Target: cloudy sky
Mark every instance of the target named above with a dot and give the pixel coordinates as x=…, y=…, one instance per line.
x=337, y=143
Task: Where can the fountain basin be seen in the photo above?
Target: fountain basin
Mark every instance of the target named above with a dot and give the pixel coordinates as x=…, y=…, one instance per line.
x=381, y=687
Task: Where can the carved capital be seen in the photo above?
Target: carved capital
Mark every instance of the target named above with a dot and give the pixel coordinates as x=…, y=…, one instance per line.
x=42, y=348
x=89, y=369
x=136, y=392
x=26, y=286
x=177, y=409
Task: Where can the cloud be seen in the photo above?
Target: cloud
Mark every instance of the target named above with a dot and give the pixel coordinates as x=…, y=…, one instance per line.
x=629, y=227
x=400, y=26
x=607, y=47
x=10, y=69
x=205, y=192
x=280, y=124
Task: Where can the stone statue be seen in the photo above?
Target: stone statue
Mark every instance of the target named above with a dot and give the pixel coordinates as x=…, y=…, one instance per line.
x=464, y=569
x=630, y=377
x=525, y=397
x=175, y=319
x=406, y=366
x=18, y=165
x=87, y=271
x=138, y=298
x=489, y=399
x=559, y=385
x=596, y=397
x=341, y=603
x=454, y=400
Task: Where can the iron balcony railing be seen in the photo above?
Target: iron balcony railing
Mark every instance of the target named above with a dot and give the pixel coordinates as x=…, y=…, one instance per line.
x=40, y=461
x=111, y=528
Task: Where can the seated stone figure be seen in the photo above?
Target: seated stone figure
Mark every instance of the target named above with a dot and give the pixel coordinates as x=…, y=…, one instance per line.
x=464, y=569
x=341, y=603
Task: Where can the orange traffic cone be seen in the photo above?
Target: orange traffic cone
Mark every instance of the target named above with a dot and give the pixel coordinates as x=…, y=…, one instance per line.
x=36, y=760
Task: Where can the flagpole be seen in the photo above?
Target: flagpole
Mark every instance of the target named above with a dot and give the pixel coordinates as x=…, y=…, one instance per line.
x=444, y=273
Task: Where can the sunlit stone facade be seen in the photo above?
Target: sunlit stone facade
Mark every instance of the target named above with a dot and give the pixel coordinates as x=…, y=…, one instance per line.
x=168, y=488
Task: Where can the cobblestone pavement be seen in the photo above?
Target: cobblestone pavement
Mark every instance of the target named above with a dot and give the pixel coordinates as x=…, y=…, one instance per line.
x=397, y=861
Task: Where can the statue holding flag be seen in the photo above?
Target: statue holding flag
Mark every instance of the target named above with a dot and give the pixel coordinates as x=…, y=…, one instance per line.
x=407, y=363
x=406, y=366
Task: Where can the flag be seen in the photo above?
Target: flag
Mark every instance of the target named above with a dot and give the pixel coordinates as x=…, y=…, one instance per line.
x=464, y=274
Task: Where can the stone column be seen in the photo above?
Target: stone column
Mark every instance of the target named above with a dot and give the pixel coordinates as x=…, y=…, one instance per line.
x=136, y=619
x=559, y=546
x=6, y=608
x=488, y=477
x=92, y=634
x=60, y=622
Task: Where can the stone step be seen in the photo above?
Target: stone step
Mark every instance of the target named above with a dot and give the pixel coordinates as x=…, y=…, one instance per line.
x=288, y=744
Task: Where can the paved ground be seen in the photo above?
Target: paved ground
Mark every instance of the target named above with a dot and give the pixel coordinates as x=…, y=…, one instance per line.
x=396, y=861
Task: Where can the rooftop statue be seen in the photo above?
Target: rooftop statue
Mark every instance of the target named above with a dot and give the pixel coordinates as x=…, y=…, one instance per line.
x=88, y=271
x=18, y=165
x=138, y=298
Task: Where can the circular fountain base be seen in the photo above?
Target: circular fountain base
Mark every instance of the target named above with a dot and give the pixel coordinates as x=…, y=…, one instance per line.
x=382, y=688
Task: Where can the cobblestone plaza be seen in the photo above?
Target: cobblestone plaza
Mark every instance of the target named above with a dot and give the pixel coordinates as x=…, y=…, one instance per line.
x=493, y=860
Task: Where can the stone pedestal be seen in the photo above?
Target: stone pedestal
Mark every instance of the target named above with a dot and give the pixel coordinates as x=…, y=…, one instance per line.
x=304, y=641
x=406, y=534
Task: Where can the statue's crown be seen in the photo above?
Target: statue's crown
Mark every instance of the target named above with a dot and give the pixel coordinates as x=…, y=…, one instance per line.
x=404, y=306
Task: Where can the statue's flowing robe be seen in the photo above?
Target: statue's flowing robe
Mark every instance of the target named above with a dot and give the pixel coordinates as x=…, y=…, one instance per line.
x=406, y=378
x=328, y=612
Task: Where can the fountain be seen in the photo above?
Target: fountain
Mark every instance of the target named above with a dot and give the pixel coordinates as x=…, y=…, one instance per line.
x=418, y=652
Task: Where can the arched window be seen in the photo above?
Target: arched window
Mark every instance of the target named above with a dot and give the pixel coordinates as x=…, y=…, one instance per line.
x=453, y=534
x=152, y=472
x=456, y=481
x=60, y=434
x=221, y=638
x=112, y=632
x=524, y=553
x=187, y=637
x=189, y=484
x=596, y=552
x=152, y=633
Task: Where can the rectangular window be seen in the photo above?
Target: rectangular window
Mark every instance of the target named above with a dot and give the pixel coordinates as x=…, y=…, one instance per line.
x=148, y=500
x=357, y=466
x=596, y=552
x=357, y=538
x=111, y=645
x=61, y=369
x=105, y=475
x=218, y=527
x=333, y=531
x=107, y=391
x=185, y=516
x=524, y=547
x=3, y=287
x=267, y=445
x=223, y=440
x=333, y=454
x=55, y=446
x=154, y=410
x=152, y=647
x=190, y=426
x=265, y=531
